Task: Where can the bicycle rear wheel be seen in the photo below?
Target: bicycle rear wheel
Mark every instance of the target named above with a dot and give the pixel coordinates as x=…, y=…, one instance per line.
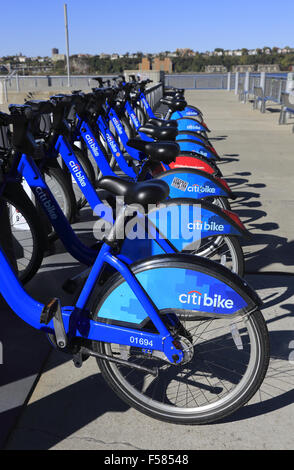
x=225, y=250
x=228, y=364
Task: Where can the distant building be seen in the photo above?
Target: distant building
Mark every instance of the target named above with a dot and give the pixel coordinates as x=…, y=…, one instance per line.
x=164, y=65
x=243, y=68
x=145, y=64
x=3, y=69
x=271, y=68
x=216, y=69
x=57, y=57
x=157, y=64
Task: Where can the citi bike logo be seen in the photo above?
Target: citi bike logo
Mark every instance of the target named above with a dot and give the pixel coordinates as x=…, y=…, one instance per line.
x=193, y=127
x=199, y=225
x=112, y=144
x=198, y=299
x=118, y=126
x=144, y=101
x=135, y=120
x=191, y=113
x=203, y=152
x=46, y=202
x=92, y=144
x=78, y=174
x=197, y=188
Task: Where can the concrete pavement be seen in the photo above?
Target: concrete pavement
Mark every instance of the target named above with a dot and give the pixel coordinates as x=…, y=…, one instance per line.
x=74, y=409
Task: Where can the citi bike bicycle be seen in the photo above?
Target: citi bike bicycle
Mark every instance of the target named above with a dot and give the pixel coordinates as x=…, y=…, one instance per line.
x=190, y=140
x=191, y=181
x=194, y=151
x=21, y=165
x=179, y=338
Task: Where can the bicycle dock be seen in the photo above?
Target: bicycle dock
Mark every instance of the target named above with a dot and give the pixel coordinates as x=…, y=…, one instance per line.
x=42, y=397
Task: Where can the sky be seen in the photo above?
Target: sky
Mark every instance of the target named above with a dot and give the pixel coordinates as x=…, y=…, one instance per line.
x=34, y=27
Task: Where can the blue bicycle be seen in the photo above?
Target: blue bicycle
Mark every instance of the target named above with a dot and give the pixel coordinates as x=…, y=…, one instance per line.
x=179, y=338
x=209, y=231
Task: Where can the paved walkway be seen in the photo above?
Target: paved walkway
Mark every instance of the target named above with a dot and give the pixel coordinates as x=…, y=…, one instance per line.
x=74, y=409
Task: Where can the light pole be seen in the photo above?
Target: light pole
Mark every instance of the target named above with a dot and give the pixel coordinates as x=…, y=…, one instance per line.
x=67, y=46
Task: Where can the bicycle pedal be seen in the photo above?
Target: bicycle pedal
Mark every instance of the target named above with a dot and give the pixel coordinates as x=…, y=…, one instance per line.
x=48, y=311
x=52, y=311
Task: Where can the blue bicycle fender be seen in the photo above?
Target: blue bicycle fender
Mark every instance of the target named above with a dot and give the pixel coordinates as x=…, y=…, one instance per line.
x=188, y=146
x=180, y=223
x=183, y=222
x=178, y=282
x=188, y=112
x=186, y=124
x=193, y=184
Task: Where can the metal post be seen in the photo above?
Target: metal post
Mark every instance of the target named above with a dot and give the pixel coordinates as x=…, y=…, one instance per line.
x=236, y=83
x=262, y=81
x=229, y=82
x=1, y=93
x=5, y=91
x=17, y=82
x=290, y=83
x=280, y=91
x=246, y=86
x=67, y=44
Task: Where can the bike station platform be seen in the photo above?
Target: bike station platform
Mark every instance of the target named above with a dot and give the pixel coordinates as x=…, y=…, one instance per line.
x=74, y=409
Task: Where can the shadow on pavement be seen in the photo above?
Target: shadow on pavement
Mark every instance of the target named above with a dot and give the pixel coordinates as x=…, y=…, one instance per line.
x=277, y=389
x=57, y=416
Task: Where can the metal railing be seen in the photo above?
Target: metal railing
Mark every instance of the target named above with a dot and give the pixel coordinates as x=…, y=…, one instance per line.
x=16, y=83
x=154, y=93
x=198, y=81
x=272, y=85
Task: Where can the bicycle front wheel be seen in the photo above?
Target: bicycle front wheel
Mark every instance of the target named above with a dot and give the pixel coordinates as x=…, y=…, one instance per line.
x=228, y=364
x=56, y=180
x=28, y=236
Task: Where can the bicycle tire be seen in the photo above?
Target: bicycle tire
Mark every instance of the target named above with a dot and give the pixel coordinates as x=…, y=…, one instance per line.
x=15, y=196
x=224, y=405
x=63, y=193
x=225, y=250
x=90, y=172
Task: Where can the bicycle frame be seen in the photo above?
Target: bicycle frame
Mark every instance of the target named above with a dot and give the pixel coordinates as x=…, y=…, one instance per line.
x=189, y=112
x=185, y=119
x=75, y=321
x=31, y=173
x=197, y=147
x=195, y=183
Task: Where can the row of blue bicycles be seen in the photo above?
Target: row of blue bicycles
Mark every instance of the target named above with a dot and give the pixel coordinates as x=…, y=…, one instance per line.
x=159, y=301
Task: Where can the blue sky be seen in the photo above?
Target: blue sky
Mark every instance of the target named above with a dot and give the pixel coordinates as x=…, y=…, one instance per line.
x=33, y=27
